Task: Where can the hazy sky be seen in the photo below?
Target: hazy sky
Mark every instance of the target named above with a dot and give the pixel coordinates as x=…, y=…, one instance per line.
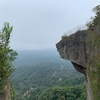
x=39, y=24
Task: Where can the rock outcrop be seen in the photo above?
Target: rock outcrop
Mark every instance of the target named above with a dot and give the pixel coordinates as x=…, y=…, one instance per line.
x=7, y=92
x=83, y=50
x=73, y=48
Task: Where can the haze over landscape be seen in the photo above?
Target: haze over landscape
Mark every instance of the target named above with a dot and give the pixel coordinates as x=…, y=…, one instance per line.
x=39, y=24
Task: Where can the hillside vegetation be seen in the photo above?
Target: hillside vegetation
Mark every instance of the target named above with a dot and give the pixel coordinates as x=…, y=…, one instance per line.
x=46, y=72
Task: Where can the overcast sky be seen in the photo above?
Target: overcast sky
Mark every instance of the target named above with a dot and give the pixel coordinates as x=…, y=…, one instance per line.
x=39, y=24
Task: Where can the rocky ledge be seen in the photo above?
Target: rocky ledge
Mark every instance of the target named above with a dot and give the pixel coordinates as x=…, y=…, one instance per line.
x=73, y=48
x=83, y=50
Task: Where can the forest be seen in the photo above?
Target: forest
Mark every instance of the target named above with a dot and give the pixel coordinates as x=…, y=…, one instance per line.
x=43, y=75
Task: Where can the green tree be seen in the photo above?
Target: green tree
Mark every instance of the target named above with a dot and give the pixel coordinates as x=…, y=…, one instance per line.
x=7, y=55
x=95, y=20
x=97, y=17
x=64, y=93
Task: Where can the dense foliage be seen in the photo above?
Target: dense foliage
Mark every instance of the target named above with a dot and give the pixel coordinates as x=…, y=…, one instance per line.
x=7, y=55
x=45, y=71
x=64, y=93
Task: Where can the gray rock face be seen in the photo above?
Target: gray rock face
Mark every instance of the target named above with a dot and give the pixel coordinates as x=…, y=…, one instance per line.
x=73, y=48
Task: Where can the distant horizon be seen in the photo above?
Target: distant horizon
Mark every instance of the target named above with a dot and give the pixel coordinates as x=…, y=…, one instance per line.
x=35, y=49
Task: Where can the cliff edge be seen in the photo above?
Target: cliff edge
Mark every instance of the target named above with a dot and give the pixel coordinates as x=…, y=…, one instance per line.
x=83, y=50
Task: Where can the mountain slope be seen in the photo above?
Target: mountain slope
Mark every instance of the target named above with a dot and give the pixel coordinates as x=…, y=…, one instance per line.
x=31, y=79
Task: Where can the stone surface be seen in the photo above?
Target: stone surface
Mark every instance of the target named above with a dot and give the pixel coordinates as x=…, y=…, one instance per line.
x=7, y=92
x=73, y=48
x=76, y=49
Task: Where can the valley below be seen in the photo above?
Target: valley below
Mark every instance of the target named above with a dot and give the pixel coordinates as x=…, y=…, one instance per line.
x=43, y=75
